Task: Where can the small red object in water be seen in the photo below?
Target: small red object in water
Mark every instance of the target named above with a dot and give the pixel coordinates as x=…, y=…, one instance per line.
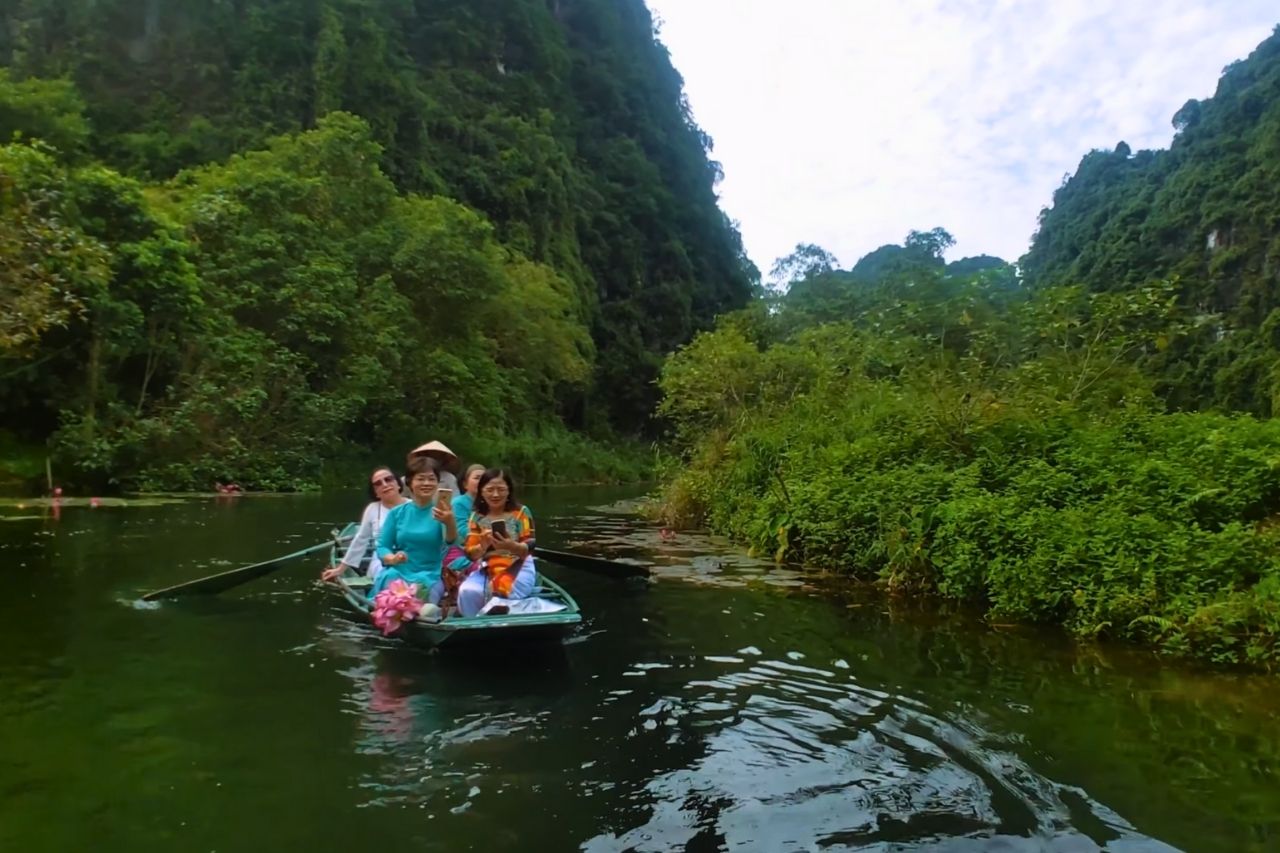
x=95, y=502
x=667, y=534
x=57, y=492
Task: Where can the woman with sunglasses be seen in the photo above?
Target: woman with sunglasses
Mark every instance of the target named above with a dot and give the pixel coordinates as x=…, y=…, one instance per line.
x=384, y=489
x=500, y=536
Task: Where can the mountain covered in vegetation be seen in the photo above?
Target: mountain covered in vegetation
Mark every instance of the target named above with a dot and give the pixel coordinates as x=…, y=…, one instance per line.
x=242, y=235
x=1204, y=213
x=1087, y=441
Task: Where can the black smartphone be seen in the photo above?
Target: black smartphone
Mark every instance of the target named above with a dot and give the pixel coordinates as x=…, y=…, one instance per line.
x=499, y=528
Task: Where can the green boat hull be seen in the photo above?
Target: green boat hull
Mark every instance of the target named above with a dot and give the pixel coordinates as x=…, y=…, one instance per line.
x=512, y=631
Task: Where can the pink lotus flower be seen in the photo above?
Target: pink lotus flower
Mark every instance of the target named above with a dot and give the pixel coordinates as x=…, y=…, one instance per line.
x=395, y=605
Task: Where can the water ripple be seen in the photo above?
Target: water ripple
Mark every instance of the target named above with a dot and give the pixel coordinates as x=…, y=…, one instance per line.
x=798, y=758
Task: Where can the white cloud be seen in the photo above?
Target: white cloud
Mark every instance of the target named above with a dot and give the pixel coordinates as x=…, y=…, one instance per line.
x=847, y=122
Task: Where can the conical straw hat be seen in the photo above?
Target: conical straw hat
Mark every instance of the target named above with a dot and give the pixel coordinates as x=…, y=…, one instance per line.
x=437, y=450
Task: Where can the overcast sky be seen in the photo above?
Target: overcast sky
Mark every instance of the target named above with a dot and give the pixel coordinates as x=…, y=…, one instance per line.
x=847, y=123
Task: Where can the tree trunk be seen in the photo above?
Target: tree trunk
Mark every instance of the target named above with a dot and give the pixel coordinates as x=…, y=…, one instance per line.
x=149, y=369
x=94, y=369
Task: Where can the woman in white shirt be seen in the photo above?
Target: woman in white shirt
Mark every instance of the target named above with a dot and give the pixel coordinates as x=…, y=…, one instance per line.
x=384, y=488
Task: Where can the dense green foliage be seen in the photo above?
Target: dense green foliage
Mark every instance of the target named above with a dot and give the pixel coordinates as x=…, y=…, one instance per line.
x=237, y=240
x=1075, y=442
x=960, y=434
x=1206, y=213
x=562, y=121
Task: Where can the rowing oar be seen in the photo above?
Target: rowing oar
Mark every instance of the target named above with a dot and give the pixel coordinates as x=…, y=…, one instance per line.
x=599, y=565
x=224, y=581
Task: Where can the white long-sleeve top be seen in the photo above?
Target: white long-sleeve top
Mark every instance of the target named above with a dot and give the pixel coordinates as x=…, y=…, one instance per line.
x=366, y=538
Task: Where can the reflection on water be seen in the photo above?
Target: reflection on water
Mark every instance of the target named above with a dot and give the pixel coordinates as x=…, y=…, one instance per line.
x=727, y=705
x=612, y=530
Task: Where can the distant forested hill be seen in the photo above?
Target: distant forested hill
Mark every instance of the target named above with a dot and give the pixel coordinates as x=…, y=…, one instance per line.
x=384, y=200
x=1206, y=211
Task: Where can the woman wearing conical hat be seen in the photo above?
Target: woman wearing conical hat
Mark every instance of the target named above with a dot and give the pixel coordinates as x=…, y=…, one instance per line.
x=448, y=463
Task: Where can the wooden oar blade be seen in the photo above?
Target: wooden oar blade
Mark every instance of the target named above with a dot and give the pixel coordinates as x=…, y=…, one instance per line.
x=599, y=565
x=223, y=581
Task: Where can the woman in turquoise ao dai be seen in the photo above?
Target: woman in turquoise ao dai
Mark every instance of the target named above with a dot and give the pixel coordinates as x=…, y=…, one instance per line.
x=415, y=535
x=465, y=502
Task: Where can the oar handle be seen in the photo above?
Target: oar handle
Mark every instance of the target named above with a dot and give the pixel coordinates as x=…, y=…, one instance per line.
x=223, y=581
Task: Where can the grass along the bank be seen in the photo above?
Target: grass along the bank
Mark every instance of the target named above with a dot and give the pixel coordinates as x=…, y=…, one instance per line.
x=22, y=464
x=1155, y=528
x=551, y=455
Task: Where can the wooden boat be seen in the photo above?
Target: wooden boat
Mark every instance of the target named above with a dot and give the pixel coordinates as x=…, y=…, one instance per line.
x=517, y=630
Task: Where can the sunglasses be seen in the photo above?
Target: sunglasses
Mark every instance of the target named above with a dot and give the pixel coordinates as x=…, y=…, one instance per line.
x=384, y=481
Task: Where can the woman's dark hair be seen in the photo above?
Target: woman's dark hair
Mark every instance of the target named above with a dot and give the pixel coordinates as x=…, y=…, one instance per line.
x=421, y=465
x=482, y=506
x=373, y=493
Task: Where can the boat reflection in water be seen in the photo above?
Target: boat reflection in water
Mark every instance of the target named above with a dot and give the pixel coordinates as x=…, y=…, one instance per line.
x=429, y=725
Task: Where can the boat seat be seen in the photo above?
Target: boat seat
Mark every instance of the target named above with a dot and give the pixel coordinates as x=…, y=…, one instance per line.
x=358, y=582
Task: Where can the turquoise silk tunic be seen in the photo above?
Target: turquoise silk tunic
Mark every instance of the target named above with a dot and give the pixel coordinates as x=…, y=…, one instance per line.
x=462, y=507
x=413, y=530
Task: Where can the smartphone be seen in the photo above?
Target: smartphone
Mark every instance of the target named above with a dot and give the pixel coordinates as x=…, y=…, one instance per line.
x=499, y=528
x=445, y=495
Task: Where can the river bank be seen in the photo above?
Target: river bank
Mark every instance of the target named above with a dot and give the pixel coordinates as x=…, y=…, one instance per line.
x=1156, y=529
x=1050, y=488
x=554, y=456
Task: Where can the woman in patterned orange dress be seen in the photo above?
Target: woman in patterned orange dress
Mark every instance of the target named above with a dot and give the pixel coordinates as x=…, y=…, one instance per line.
x=500, y=536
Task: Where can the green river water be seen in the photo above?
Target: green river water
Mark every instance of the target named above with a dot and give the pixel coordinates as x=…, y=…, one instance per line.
x=726, y=704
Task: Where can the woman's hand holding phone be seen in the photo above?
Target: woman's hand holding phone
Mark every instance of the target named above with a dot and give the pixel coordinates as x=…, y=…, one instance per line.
x=508, y=545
